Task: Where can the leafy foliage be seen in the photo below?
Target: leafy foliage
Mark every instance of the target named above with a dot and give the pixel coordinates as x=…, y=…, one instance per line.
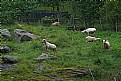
x=86, y=10
x=13, y=10
x=111, y=11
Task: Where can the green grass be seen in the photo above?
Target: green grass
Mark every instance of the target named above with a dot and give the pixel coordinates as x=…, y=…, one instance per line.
x=72, y=52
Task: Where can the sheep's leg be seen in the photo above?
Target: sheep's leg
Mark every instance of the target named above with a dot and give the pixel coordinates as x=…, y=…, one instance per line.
x=94, y=32
x=46, y=49
x=88, y=33
x=55, y=50
x=86, y=41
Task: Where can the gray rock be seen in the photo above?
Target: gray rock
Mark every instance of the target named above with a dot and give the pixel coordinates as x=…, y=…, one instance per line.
x=5, y=33
x=66, y=73
x=40, y=68
x=6, y=66
x=4, y=49
x=44, y=57
x=10, y=59
x=22, y=35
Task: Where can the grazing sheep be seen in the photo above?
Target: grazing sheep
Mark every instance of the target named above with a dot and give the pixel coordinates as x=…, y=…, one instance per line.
x=91, y=39
x=106, y=44
x=89, y=30
x=49, y=45
x=56, y=24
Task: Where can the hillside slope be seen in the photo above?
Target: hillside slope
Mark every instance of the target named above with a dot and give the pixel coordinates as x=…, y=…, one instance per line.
x=72, y=52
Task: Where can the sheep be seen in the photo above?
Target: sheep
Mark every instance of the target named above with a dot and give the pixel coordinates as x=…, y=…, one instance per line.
x=49, y=45
x=89, y=30
x=56, y=24
x=106, y=44
x=91, y=39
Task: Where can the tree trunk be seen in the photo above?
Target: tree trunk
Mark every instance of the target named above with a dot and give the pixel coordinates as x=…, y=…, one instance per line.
x=58, y=6
x=100, y=20
x=53, y=8
x=116, y=25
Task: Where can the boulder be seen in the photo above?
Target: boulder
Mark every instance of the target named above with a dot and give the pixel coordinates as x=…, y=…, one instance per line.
x=44, y=57
x=22, y=35
x=5, y=33
x=6, y=66
x=10, y=59
x=4, y=49
x=41, y=68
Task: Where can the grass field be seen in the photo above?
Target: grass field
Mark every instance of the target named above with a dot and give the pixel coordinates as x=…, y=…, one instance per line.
x=72, y=52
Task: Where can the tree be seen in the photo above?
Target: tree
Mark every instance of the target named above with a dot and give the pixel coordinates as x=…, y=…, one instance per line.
x=112, y=12
x=87, y=10
x=55, y=4
x=13, y=10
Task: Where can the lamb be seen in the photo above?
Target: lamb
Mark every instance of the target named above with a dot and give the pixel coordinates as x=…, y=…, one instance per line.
x=49, y=45
x=91, y=39
x=89, y=30
x=56, y=24
x=106, y=44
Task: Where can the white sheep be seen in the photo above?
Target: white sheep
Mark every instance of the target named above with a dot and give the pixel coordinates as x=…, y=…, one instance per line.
x=49, y=45
x=89, y=30
x=56, y=24
x=106, y=44
x=91, y=39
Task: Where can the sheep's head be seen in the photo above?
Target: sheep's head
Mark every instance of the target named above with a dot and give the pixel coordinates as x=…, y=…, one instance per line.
x=44, y=40
x=97, y=38
x=83, y=31
x=106, y=44
x=104, y=41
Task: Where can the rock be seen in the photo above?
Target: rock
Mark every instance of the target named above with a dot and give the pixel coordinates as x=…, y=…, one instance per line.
x=4, y=49
x=10, y=59
x=65, y=74
x=77, y=73
x=22, y=35
x=5, y=32
x=40, y=68
x=6, y=66
x=44, y=57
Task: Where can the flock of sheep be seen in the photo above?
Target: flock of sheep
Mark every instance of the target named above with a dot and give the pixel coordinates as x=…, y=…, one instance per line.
x=106, y=43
